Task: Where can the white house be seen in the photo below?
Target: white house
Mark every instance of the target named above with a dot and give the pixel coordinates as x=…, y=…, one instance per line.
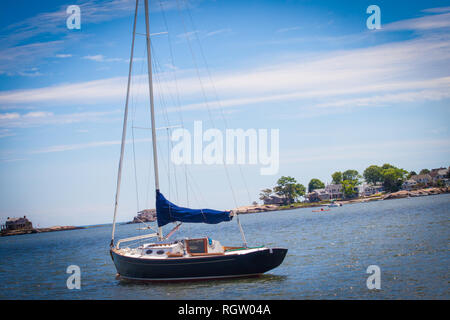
x=409, y=184
x=366, y=189
x=334, y=191
x=422, y=178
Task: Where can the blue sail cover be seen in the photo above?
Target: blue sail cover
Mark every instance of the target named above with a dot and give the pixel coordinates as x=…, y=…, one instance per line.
x=167, y=212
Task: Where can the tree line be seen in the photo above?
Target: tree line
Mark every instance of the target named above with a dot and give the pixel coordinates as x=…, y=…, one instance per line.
x=387, y=175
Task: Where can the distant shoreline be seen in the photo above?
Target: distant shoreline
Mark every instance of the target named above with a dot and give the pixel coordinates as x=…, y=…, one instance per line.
x=377, y=197
x=6, y=233
x=267, y=208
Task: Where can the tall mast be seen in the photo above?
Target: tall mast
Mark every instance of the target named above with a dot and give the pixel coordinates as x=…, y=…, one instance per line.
x=124, y=130
x=152, y=108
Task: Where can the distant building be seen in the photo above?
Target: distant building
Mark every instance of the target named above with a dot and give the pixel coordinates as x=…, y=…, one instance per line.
x=368, y=189
x=440, y=174
x=446, y=182
x=334, y=191
x=274, y=199
x=318, y=195
x=434, y=172
x=409, y=184
x=17, y=224
x=422, y=178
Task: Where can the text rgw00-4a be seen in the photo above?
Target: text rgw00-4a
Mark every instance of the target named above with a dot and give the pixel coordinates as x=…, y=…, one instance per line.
x=226, y=309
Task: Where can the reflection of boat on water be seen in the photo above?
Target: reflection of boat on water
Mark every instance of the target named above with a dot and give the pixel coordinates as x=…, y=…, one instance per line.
x=321, y=210
x=186, y=259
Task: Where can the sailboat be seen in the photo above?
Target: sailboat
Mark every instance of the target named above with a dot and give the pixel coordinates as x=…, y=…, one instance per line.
x=199, y=258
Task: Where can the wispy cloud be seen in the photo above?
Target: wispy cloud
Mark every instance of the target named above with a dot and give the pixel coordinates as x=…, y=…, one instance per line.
x=220, y=31
x=429, y=22
x=390, y=68
x=6, y=133
x=62, y=56
x=390, y=73
x=102, y=58
x=80, y=146
x=40, y=118
x=437, y=10
x=20, y=51
x=282, y=30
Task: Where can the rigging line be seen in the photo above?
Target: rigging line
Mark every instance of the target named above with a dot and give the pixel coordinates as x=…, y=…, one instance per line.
x=215, y=93
x=124, y=129
x=133, y=108
x=178, y=104
x=192, y=181
x=162, y=102
x=164, y=108
x=204, y=95
x=209, y=112
x=195, y=185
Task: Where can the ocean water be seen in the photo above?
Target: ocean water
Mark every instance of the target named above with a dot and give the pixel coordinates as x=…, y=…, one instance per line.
x=328, y=256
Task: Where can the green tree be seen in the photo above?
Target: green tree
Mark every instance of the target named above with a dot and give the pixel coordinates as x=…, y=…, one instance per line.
x=387, y=166
x=350, y=175
x=289, y=188
x=315, y=184
x=337, y=177
x=265, y=194
x=373, y=174
x=393, y=179
x=440, y=183
x=349, y=188
x=410, y=174
x=424, y=171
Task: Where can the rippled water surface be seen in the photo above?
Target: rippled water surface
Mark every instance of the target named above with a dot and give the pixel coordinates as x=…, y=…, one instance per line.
x=328, y=255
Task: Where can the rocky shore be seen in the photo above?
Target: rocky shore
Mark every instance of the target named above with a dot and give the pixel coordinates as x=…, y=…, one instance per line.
x=377, y=197
x=37, y=230
x=416, y=193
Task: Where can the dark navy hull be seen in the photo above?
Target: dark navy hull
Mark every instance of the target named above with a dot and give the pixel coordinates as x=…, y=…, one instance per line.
x=197, y=268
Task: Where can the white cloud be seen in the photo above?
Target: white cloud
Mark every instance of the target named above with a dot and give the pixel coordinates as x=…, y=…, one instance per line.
x=102, y=58
x=79, y=146
x=437, y=10
x=40, y=118
x=429, y=22
x=220, y=31
x=9, y=116
x=394, y=72
x=282, y=30
x=62, y=56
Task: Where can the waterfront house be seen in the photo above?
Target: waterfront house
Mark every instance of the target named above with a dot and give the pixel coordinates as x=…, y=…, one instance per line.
x=318, y=195
x=334, y=191
x=435, y=172
x=440, y=174
x=409, y=184
x=446, y=182
x=17, y=224
x=368, y=189
x=422, y=178
x=275, y=199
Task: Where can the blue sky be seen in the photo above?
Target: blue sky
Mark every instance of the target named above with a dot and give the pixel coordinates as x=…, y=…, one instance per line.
x=343, y=96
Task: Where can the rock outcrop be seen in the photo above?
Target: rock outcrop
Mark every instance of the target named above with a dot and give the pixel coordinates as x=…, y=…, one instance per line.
x=416, y=193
